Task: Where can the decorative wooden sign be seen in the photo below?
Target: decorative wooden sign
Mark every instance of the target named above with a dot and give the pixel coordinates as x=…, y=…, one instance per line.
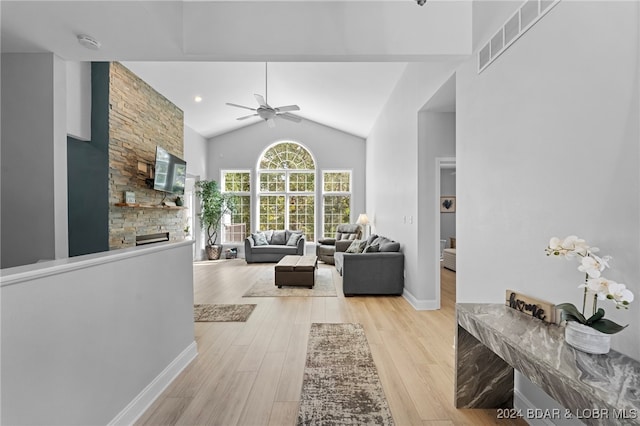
x=540, y=309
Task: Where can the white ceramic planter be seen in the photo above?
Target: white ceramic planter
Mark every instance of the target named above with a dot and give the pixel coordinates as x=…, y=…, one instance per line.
x=586, y=339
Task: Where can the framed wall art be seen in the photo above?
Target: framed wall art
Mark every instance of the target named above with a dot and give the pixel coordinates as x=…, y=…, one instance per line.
x=447, y=204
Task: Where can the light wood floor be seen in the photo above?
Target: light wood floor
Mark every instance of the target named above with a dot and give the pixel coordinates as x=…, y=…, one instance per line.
x=251, y=373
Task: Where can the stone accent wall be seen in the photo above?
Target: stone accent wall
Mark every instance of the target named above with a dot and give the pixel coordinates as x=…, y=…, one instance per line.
x=139, y=119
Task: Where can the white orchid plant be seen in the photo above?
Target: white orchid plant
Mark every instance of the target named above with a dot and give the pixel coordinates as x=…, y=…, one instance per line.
x=602, y=288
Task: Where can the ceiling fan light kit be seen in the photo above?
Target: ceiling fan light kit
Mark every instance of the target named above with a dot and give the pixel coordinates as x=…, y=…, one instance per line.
x=265, y=111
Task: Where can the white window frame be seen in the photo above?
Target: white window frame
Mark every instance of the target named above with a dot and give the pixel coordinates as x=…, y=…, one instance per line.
x=336, y=193
x=227, y=218
x=287, y=193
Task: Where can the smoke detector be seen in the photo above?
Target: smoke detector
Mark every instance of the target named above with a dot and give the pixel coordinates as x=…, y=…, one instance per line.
x=88, y=42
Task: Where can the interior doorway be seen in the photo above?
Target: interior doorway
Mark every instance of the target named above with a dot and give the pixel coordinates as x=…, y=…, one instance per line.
x=445, y=225
x=436, y=152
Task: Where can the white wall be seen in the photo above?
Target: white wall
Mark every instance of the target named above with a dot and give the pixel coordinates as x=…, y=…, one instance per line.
x=344, y=30
x=332, y=149
x=60, y=186
x=82, y=338
x=401, y=175
x=195, y=152
x=548, y=146
x=79, y=100
x=34, y=200
x=488, y=17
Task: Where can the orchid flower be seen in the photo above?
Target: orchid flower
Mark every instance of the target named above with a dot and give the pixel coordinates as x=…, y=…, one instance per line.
x=575, y=245
x=568, y=248
x=602, y=288
x=593, y=265
x=620, y=294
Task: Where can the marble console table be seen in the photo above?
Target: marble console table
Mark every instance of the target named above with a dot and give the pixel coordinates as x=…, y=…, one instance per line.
x=493, y=339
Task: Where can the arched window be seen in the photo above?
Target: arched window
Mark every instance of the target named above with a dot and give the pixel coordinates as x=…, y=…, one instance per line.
x=286, y=189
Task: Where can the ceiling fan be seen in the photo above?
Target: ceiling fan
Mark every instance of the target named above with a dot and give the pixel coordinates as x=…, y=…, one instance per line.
x=266, y=112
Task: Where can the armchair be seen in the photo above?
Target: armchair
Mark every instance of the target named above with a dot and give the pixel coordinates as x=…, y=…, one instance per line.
x=345, y=234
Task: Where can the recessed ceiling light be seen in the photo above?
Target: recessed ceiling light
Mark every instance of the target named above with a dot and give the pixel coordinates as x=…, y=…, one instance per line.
x=198, y=99
x=88, y=42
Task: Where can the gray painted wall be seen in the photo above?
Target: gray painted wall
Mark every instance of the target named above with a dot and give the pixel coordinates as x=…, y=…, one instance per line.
x=33, y=153
x=332, y=149
x=87, y=171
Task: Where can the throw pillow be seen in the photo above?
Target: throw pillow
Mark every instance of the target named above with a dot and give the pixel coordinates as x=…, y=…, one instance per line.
x=279, y=238
x=356, y=246
x=390, y=246
x=259, y=239
x=268, y=234
x=293, y=239
x=373, y=248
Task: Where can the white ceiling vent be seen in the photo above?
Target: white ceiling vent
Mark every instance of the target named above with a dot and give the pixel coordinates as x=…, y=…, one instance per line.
x=525, y=17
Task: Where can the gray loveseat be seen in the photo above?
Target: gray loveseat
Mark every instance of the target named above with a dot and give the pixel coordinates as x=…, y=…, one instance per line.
x=272, y=246
x=378, y=271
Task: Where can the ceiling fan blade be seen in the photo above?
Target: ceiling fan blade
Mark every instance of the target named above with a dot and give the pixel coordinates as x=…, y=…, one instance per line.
x=290, y=117
x=247, y=116
x=271, y=123
x=240, y=106
x=288, y=108
x=260, y=100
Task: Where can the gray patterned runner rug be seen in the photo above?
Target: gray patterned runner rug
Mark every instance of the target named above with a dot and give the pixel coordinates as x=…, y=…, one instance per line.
x=341, y=384
x=222, y=313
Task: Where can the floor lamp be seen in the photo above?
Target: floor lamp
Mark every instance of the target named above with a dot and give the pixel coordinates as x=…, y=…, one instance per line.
x=363, y=220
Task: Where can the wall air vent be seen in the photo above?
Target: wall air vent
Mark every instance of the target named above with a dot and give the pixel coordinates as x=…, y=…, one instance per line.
x=525, y=17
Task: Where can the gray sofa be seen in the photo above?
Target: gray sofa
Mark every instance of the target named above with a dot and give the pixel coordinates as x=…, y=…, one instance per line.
x=276, y=246
x=374, y=272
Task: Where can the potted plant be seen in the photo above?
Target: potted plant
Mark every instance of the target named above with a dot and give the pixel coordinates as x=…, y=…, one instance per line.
x=214, y=205
x=592, y=332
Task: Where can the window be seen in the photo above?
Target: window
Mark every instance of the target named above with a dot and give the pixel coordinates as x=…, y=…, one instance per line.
x=235, y=227
x=286, y=193
x=336, y=200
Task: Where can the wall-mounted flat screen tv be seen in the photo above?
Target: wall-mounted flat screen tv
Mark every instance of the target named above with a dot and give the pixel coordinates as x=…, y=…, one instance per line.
x=170, y=172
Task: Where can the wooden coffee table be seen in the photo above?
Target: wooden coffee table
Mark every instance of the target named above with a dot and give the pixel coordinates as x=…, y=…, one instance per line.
x=296, y=271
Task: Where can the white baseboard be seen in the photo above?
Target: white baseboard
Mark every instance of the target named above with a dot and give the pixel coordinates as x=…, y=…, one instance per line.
x=420, y=305
x=523, y=404
x=144, y=399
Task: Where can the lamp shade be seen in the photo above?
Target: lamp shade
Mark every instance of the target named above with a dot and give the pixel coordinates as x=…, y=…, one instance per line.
x=363, y=219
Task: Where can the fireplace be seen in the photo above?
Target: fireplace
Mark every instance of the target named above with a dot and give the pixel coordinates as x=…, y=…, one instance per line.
x=152, y=238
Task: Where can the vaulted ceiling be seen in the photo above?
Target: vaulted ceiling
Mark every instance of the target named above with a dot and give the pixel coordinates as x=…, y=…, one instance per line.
x=337, y=60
